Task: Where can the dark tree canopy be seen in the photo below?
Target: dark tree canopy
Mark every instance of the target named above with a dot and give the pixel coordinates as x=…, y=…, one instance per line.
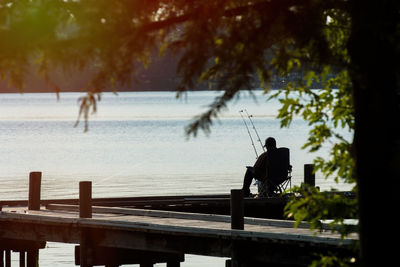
x=229, y=45
x=234, y=45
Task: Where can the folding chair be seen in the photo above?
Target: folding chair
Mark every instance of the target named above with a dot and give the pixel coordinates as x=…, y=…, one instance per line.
x=279, y=173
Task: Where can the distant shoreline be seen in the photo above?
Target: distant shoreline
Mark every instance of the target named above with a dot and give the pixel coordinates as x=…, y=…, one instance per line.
x=106, y=91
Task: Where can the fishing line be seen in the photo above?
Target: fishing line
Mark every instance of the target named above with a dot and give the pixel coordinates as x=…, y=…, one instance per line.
x=255, y=130
x=248, y=131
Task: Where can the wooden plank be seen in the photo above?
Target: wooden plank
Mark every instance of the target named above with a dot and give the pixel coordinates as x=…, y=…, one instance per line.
x=188, y=220
x=184, y=215
x=261, y=208
x=265, y=243
x=20, y=245
x=113, y=201
x=129, y=201
x=179, y=226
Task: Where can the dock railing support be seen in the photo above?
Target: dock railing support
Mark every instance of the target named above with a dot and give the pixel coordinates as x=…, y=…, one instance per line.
x=8, y=258
x=32, y=256
x=309, y=175
x=35, y=179
x=85, y=211
x=22, y=258
x=237, y=209
x=85, y=199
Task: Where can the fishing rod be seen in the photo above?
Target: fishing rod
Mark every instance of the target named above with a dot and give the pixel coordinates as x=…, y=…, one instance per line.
x=248, y=131
x=255, y=130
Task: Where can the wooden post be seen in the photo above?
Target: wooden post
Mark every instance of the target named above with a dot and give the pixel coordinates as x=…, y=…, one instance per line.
x=237, y=222
x=32, y=256
x=85, y=249
x=35, y=179
x=8, y=258
x=237, y=253
x=22, y=258
x=309, y=175
x=85, y=211
x=237, y=209
x=85, y=199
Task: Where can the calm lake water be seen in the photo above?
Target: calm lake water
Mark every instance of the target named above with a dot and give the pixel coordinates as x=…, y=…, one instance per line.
x=136, y=146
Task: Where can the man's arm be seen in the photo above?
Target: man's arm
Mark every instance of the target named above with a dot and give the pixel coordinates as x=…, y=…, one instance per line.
x=260, y=166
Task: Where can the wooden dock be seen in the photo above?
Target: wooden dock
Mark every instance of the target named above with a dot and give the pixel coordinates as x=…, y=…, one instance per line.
x=170, y=234
x=113, y=236
x=208, y=204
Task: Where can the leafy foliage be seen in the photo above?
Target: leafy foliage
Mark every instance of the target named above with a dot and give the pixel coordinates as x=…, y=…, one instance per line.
x=316, y=207
x=330, y=112
x=333, y=260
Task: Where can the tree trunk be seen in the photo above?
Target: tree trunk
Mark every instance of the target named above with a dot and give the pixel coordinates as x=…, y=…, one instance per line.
x=374, y=48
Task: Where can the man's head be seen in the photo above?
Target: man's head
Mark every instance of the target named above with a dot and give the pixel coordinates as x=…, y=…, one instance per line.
x=270, y=143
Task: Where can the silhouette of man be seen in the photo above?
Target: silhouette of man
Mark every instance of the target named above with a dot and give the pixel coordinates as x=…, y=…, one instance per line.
x=259, y=170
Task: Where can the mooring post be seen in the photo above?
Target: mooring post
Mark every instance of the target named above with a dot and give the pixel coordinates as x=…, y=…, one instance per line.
x=85, y=211
x=309, y=175
x=85, y=199
x=237, y=209
x=35, y=179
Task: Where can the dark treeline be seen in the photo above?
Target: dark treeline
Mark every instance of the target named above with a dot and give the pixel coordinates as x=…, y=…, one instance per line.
x=160, y=75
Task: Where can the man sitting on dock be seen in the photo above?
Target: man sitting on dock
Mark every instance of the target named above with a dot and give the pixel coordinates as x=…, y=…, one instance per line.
x=262, y=172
